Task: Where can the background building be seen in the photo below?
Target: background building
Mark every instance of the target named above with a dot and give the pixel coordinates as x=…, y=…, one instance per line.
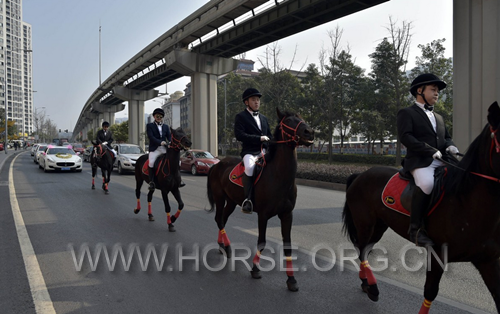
x=16, y=73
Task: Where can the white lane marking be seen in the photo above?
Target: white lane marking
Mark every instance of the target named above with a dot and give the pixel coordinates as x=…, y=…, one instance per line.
x=39, y=292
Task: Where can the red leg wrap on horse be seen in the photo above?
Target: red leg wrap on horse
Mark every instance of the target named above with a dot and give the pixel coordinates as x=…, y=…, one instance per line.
x=138, y=204
x=225, y=239
x=369, y=274
x=362, y=273
x=92, y=181
x=426, y=306
x=177, y=213
x=256, y=258
x=169, y=220
x=149, y=209
x=289, y=266
x=219, y=237
x=103, y=180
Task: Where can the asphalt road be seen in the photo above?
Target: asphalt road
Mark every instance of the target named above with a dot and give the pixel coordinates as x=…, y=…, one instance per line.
x=65, y=221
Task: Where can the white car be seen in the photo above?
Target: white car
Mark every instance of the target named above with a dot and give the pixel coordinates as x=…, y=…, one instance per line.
x=127, y=155
x=61, y=158
x=39, y=149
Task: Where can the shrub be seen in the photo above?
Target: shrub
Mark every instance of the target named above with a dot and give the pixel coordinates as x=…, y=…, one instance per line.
x=327, y=173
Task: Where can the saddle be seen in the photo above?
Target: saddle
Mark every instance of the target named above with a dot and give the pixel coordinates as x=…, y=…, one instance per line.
x=235, y=176
x=399, y=189
x=162, y=165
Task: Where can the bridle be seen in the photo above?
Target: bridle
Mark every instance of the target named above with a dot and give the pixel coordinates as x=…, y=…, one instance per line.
x=177, y=143
x=293, y=138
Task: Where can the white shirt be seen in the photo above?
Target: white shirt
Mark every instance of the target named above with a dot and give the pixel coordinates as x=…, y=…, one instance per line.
x=256, y=118
x=429, y=114
x=159, y=127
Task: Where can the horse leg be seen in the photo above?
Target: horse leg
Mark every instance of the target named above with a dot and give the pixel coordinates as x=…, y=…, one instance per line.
x=94, y=170
x=261, y=245
x=490, y=271
x=431, y=287
x=286, y=230
x=104, y=184
x=368, y=280
x=177, y=194
x=150, y=211
x=138, y=185
x=164, y=195
x=221, y=217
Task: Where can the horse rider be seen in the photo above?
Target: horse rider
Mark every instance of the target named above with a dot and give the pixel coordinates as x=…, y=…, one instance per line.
x=105, y=137
x=252, y=130
x=159, y=137
x=424, y=134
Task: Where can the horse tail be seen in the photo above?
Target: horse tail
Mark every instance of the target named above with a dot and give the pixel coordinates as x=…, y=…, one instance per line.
x=209, y=191
x=349, y=228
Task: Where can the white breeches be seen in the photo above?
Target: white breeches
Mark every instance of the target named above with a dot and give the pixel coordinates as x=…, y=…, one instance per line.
x=154, y=154
x=424, y=177
x=249, y=162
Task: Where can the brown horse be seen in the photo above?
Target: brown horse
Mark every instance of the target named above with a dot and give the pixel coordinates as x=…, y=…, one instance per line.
x=167, y=177
x=467, y=220
x=275, y=191
x=103, y=158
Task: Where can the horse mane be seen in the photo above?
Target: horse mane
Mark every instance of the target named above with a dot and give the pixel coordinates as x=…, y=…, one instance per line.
x=271, y=152
x=459, y=180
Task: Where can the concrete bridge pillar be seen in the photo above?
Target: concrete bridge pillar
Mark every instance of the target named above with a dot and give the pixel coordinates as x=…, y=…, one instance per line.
x=204, y=70
x=476, y=66
x=135, y=99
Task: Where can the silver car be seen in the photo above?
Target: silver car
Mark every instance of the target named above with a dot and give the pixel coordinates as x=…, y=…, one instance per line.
x=127, y=155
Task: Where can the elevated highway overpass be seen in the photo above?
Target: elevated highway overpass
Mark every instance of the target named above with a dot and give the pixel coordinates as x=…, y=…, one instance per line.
x=202, y=46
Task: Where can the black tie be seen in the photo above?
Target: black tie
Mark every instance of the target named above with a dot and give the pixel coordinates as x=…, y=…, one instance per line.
x=255, y=113
x=430, y=108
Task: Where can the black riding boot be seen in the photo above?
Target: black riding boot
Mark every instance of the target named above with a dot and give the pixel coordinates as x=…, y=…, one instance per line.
x=151, y=179
x=419, y=206
x=247, y=206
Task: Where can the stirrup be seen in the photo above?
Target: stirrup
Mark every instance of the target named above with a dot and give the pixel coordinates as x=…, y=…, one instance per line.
x=246, y=202
x=152, y=186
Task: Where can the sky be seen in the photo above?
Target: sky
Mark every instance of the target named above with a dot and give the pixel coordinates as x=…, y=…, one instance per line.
x=66, y=42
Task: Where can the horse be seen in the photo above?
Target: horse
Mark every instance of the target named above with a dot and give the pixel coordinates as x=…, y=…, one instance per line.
x=275, y=191
x=167, y=176
x=104, y=159
x=466, y=222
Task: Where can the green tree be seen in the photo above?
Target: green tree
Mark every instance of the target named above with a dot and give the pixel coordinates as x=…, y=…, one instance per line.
x=120, y=132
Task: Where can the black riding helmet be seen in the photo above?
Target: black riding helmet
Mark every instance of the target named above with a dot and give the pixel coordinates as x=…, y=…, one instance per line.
x=426, y=79
x=158, y=111
x=249, y=92
x=105, y=123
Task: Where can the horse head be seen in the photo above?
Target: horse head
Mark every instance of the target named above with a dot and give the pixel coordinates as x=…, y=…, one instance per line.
x=179, y=139
x=294, y=129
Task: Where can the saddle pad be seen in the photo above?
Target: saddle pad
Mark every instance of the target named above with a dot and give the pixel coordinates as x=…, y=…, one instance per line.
x=391, y=195
x=236, y=175
x=164, y=163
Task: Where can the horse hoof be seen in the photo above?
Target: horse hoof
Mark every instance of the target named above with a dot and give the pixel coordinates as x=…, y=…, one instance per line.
x=106, y=191
x=255, y=274
x=137, y=210
x=171, y=228
x=226, y=250
x=93, y=187
x=173, y=219
x=370, y=290
x=151, y=217
x=291, y=283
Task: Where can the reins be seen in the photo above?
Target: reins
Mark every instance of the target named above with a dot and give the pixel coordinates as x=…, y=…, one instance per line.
x=494, y=143
x=176, y=143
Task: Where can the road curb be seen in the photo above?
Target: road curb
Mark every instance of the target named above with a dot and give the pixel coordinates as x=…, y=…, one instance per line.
x=321, y=184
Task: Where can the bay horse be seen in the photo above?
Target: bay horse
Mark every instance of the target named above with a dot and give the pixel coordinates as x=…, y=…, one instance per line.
x=167, y=176
x=275, y=192
x=104, y=159
x=467, y=220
